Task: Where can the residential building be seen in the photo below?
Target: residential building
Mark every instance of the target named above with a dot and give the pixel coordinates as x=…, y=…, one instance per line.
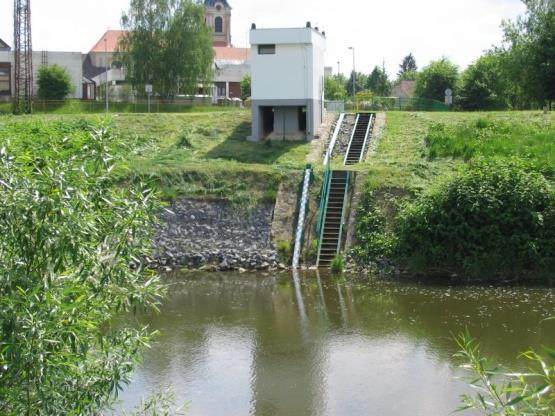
x=70, y=61
x=403, y=90
x=5, y=72
x=287, y=68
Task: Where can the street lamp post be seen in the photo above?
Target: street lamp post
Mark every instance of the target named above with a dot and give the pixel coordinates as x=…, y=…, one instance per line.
x=106, y=64
x=352, y=48
x=338, y=67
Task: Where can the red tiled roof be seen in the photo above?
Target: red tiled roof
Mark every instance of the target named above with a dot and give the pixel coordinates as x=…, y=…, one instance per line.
x=231, y=54
x=112, y=37
x=221, y=53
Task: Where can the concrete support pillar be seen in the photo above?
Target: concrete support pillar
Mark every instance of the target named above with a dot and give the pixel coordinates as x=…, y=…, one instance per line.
x=227, y=89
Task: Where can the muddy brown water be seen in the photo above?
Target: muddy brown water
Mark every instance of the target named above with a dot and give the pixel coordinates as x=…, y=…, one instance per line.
x=244, y=344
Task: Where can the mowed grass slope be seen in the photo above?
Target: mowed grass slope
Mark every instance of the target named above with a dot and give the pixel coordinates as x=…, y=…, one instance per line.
x=417, y=149
x=196, y=154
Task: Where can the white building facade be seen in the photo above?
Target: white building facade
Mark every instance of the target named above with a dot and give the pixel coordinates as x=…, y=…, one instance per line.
x=70, y=61
x=287, y=68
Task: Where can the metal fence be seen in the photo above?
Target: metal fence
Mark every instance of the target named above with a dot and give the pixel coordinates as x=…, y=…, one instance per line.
x=136, y=106
x=390, y=104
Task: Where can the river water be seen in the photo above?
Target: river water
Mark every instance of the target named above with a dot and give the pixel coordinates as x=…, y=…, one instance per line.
x=271, y=344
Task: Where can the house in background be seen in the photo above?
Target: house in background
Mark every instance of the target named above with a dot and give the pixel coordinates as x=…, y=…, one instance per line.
x=287, y=83
x=5, y=73
x=101, y=66
x=231, y=64
x=404, y=90
x=70, y=61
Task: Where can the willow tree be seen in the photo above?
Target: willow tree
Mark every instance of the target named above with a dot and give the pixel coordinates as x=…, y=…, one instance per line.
x=167, y=44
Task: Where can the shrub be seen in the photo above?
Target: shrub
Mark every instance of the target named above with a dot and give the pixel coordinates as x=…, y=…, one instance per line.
x=285, y=251
x=508, y=393
x=54, y=83
x=68, y=240
x=497, y=218
x=373, y=240
x=338, y=264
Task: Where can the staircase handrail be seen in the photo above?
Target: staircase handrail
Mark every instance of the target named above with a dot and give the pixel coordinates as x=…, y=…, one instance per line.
x=343, y=210
x=351, y=140
x=362, y=153
x=302, y=216
x=331, y=146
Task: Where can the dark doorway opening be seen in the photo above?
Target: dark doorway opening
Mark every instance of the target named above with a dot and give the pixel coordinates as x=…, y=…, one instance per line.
x=267, y=120
x=302, y=119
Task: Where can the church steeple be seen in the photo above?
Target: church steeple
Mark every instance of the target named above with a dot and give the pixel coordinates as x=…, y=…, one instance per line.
x=218, y=18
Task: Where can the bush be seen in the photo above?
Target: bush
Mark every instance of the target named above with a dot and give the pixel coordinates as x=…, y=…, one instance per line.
x=69, y=237
x=496, y=219
x=54, y=83
x=504, y=392
x=285, y=251
x=373, y=240
x=337, y=264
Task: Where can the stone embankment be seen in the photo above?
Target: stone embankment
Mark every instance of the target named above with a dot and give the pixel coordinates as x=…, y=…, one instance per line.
x=215, y=235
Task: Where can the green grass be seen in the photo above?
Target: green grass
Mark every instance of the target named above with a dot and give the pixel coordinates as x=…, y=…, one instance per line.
x=532, y=140
x=78, y=107
x=197, y=154
x=420, y=150
x=406, y=161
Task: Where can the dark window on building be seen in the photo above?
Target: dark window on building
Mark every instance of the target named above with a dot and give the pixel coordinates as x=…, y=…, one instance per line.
x=219, y=25
x=5, y=84
x=266, y=49
x=220, y=89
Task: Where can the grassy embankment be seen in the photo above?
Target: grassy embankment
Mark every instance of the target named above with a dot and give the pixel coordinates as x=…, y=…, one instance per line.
x=421, y=151
x=196, y=154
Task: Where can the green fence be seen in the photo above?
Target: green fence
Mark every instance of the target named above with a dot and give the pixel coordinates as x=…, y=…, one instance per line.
x=396, y=104
x=98, y=107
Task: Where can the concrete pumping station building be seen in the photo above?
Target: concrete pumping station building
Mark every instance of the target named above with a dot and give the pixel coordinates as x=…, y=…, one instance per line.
x=287, y=67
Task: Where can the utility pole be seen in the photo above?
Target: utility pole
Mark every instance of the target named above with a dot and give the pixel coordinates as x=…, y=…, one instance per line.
x=354, y=72
x=23, y=58
x=338, y=68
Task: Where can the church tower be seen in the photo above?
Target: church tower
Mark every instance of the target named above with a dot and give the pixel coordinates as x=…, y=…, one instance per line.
x=218, y=18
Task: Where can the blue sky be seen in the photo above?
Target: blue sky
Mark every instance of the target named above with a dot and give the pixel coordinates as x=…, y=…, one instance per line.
x=379, y=30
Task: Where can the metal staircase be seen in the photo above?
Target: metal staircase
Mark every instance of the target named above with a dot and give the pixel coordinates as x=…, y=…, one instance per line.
x=332, y=216
x=359, y=139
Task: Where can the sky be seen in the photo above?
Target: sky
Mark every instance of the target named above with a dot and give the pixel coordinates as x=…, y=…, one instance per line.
x=380, y=30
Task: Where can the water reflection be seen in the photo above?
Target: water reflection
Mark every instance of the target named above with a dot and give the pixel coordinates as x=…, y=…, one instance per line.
x=318, y=345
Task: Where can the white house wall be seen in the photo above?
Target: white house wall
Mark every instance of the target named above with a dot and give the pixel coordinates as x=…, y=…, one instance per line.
x=70, y=61
x=284, y=75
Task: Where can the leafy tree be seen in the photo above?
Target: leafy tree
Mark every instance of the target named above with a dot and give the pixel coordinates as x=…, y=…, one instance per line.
x=434, y=79
x=361, y=80
x=168, y=45
x=408, y=66
x=246, y=87
x=483, y=85
x=54, y=83
x=529, y=52
x=378, y=82
x=69, y=237
x=335, y=87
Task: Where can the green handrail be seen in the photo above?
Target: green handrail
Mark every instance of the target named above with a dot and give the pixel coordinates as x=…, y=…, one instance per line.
x=343, y=209
x=324, y=197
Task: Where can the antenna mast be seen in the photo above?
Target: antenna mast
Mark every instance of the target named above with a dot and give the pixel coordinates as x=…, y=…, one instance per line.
x=23, y=58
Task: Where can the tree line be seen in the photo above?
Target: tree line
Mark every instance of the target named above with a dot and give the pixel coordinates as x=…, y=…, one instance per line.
x=518, y=74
